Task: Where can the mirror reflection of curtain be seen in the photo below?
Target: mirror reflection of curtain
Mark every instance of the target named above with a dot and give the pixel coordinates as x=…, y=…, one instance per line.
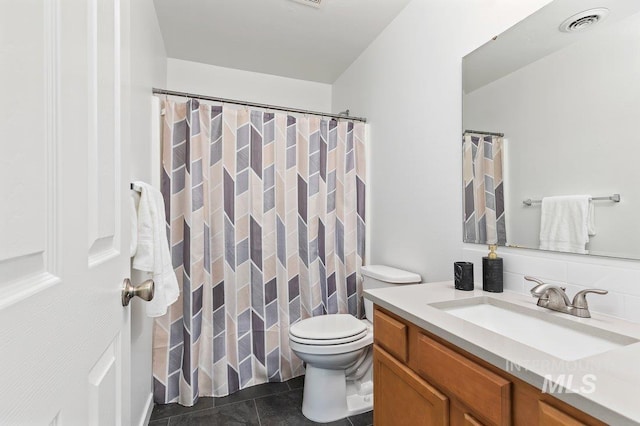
x=266, y=224
x=483, y=192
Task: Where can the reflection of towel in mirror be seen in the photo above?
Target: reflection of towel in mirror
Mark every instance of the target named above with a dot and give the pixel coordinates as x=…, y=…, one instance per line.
x=566, y=223
x=152, y=254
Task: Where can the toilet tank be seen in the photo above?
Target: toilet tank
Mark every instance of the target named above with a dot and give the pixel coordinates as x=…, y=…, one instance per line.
x=379, y=276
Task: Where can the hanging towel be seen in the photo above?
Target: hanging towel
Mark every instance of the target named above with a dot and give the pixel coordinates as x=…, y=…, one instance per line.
x=566, y=223
x=133, y=220
x=152, y=254
x=591, y=222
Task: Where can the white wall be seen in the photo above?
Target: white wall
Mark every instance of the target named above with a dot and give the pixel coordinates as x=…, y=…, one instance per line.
x=570, y=120
x=148, y=69
x=210, y=80
x=408, y=84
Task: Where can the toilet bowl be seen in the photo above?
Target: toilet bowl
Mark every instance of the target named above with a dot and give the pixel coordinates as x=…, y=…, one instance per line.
x=337, y=350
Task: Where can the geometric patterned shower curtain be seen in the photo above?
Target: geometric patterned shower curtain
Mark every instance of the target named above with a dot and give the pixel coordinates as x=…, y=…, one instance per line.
x=483, y=190
x=265, y=217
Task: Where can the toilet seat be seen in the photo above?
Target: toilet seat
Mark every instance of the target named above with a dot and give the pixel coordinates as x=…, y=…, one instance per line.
x=324, y=330
x=325, y=342
x=316, y=347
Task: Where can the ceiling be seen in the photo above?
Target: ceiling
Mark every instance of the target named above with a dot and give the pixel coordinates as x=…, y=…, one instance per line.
x=279, y=37
x=536, y=37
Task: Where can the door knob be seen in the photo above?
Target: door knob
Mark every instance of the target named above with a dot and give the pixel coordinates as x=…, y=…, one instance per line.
x=144, y=291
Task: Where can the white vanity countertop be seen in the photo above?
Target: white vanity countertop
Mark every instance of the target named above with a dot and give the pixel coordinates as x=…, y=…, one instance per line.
x=605, y=385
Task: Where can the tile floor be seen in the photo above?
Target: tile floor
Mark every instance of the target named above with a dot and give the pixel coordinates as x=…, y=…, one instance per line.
x=263, y=405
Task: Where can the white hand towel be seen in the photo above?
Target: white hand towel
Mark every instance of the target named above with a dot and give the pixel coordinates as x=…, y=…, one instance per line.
x=133, y=220
x=591, y=225
x=565, y=223
x=153, y=253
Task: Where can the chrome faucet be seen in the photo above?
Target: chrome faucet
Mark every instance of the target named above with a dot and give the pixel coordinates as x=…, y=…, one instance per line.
x=552, y=296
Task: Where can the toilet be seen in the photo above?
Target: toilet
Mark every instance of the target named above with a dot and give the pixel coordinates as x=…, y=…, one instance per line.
x=338, y=352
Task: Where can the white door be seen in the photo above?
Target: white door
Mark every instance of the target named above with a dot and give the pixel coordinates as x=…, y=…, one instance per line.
x=64, y=335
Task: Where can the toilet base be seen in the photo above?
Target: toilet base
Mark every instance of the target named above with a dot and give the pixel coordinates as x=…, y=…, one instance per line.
x=331, y=397
x=359, y=404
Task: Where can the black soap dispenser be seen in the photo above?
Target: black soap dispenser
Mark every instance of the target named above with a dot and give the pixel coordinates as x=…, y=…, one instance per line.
x=492, y=271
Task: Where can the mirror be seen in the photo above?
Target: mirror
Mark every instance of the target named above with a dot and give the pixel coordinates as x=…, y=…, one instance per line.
x=563, y=107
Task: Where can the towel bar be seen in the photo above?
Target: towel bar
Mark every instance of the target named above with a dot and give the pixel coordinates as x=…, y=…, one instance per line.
x=615, y=198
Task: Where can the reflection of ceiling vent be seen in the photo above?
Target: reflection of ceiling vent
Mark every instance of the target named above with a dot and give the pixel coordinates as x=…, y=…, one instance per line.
x=312, y=3
x=583, y=20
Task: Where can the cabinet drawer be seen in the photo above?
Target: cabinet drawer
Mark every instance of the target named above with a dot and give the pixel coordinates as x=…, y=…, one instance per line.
x=391, y=334
x=551, y=416
x=485, y=393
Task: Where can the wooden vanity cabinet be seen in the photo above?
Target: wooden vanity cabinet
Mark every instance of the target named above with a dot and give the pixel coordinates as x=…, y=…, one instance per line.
x=420, y=379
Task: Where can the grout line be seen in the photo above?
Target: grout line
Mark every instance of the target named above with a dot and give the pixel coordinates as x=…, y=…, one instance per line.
x=206, y=409
x=257, y=412
x=213, y=404
x=190, y=410
x=350, y=422
x=273, y=394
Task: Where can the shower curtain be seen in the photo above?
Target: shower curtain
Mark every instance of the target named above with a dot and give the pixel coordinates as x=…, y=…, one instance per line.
x=483, y=191
x=265, y=217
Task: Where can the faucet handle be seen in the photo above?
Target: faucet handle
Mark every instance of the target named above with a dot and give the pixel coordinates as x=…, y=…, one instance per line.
x=537, y=291
x=533, y=279
x=580, y=299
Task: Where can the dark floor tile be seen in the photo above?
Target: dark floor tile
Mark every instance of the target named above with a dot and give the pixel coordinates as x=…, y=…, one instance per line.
x=163, y=422
x=296, y=382
x=286, y=409
x=240, y=413
x=364, y=419
x=163, y=411
x=252, y=392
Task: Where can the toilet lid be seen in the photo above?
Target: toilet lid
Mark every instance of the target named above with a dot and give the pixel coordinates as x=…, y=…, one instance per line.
x=328, y=327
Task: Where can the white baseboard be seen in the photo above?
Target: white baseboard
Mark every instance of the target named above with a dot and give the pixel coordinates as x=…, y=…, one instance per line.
x=146, y=414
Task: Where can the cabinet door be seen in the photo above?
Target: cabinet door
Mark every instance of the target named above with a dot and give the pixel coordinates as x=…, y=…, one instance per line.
x=402, y=398
x=551, y=416
x=460, y=415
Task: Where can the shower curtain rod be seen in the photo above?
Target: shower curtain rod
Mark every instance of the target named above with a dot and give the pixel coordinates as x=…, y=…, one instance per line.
x=484, y=133
x=253, y=104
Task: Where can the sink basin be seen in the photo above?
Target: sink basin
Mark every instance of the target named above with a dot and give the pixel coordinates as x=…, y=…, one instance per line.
x=563, y=338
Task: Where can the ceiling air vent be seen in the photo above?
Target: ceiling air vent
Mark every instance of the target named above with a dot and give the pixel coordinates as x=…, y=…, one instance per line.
x=583, y=20
x=312, y=3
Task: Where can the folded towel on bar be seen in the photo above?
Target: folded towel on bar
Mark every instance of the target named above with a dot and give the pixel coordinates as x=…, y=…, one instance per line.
x=152, y=254
x=566, y=223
